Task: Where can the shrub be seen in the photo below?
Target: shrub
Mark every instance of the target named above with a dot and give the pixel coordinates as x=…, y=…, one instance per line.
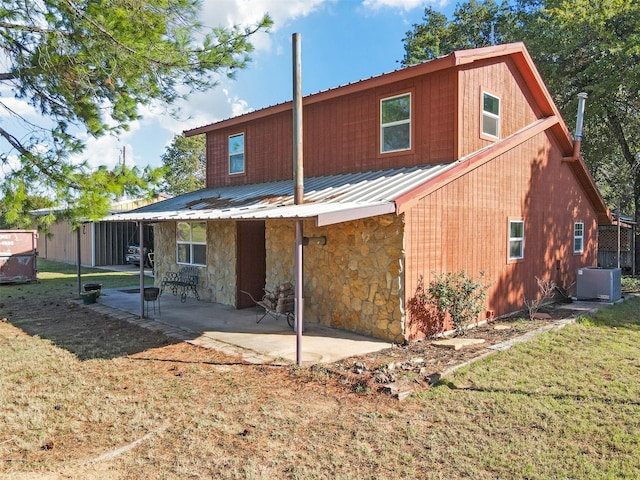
x=546, y=290
x=460, y=296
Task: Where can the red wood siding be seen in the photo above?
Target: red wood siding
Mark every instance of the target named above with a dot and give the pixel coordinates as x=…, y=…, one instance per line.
x=500, y=79
x=464, y=226
x=341, y=134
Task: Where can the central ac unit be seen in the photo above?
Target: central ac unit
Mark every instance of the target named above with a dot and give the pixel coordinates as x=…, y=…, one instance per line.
x=599, y=284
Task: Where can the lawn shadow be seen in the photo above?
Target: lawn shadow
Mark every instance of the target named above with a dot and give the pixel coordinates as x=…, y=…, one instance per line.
x=85, y=333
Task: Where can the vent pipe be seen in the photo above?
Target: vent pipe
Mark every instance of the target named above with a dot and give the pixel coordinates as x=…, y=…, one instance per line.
x=577, y=139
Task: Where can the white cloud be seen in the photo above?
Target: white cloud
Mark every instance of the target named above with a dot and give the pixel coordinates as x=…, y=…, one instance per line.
x=248, y=12
x=405, y=5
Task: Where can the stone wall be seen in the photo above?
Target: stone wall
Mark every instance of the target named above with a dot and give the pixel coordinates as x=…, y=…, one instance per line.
x=352, y=282
x=217, y=282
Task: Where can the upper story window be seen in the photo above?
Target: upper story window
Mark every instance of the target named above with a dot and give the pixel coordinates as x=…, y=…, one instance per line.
x=236, y=153
x=516, y=240
x=395, y=123
x=191, y=243
x=578, y=237
x=490, y=115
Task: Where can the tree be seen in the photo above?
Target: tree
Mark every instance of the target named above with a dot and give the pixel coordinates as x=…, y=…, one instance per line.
x=584, y=45
x=184, y=164
x=88, y=65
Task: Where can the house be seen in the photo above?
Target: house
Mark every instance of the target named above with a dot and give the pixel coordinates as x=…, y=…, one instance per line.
x=101, y=242
x=459, y=163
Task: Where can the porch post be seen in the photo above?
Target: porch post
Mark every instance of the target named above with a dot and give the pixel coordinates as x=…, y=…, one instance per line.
x=141, y=242
x=298, y=178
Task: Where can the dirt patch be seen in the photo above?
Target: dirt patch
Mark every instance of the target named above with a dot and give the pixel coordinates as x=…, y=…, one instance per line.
x=420, y=364
x=80, y=330
x=414, y=366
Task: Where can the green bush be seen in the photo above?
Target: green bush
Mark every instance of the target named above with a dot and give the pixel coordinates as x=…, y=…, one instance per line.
x=460, y=296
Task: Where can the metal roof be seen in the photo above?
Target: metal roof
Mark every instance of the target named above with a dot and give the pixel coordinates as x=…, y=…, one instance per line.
x=329, y=199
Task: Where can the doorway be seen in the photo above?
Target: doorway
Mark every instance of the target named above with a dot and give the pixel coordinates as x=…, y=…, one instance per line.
x=251, y=261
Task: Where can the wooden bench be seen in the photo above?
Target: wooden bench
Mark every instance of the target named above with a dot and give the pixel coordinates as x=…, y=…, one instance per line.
x=181, y=282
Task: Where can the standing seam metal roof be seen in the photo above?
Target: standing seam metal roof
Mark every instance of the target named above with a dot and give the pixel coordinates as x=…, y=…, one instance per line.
x=329, y=199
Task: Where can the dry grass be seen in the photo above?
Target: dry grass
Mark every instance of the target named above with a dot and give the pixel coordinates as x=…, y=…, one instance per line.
x=562, y=406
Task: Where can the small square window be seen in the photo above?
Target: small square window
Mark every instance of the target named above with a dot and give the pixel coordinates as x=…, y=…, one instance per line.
x=490, y=115
x=578, y=237
x=395, y=124
x=516, y=240
x=236, y=153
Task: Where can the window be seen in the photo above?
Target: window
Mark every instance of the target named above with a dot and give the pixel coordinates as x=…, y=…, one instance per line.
x=516, y=240
x=236, y=154
x=578, y=237
x=490, y=115
x=395, y=123
x=191, y=243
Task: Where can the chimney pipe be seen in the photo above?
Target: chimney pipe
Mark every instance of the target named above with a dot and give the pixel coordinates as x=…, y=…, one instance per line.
x=581, y=101
x=577, y=139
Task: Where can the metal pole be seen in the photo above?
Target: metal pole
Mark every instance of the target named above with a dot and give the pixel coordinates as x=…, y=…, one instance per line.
x=298, y=174
x=141, y=242
x=619, y=250
x=299, y=303
x=79, y=261
x=298, y=177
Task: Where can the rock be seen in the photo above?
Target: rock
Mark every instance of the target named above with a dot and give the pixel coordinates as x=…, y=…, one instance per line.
x=457, y=343
x=359, y=367
x=433, y=378
x=398, y=390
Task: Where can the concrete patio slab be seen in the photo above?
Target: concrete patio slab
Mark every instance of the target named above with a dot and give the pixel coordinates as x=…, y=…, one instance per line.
x=213, y=325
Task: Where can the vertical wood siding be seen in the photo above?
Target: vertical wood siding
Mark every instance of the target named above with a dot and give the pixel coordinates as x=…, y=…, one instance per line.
x=341, y=135
x=502, y=80
x=464, y=226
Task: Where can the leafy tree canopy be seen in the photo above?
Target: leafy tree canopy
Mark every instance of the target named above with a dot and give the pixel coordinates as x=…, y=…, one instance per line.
x=184, y=165
x=588, y=46
x=88, y=65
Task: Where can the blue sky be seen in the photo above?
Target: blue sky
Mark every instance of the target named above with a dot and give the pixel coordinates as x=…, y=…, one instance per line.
x=342, y=41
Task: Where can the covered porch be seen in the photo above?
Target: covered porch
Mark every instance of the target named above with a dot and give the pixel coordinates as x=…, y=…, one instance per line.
x=214, y=325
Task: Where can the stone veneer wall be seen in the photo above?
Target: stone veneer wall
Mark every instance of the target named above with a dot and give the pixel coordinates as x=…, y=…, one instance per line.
x=217, y=282
x=352, y=282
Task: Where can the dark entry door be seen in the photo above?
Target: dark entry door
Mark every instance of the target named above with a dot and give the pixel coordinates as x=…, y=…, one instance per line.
x=251, y=261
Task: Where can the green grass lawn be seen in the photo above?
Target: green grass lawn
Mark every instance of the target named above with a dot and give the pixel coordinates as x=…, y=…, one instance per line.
x=565, y=405
x=61, y=280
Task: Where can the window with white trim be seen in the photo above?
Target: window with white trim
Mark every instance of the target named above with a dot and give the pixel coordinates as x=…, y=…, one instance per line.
x=516, y=239
x=578, y=237
x=236, y=153
x=191, y=243
x=490, y=115
x=395, y=123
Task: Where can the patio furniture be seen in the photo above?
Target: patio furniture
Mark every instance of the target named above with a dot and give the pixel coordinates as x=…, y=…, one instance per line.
x=277, y=303
x=181, y=282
